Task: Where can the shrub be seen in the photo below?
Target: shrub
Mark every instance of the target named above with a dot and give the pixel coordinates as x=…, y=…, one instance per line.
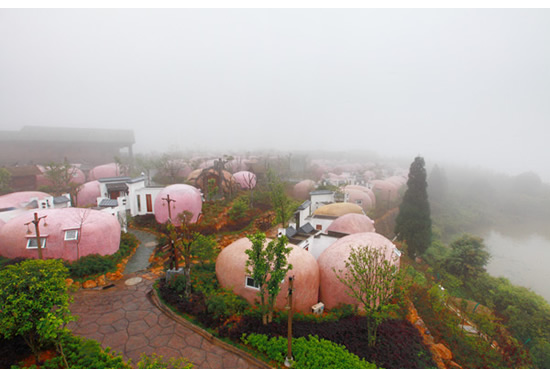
x=157, y=362
x=90, y=265
x=225, y=304
x=239, y=209
x=310, y=352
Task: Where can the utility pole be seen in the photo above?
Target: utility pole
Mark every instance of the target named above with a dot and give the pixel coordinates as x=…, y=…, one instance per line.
x=168, y=201
x=289, y=359
x=36, y=223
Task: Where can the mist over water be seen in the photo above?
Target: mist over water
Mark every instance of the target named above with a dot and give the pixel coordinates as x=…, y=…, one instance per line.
x=522, y=259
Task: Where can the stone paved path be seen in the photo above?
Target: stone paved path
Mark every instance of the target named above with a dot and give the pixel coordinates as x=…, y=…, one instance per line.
x=124, y=319
x=140, y=260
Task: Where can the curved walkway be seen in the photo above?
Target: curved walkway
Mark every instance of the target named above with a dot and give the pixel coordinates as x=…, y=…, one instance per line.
x=123, y=318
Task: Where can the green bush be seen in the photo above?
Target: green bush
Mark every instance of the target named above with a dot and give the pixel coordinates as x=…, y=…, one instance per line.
x=91, y=265
x=157, y=362
x=224, y=304
x=310, y=352
x=239, y=209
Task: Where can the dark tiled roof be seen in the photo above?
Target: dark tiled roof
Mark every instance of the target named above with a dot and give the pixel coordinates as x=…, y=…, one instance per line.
x=306, y=228
x=290, y=232
x=116, y=187
x=60, y=200
x=108, y=203
x=114, y=179
x=304, y=205
x=321, y=192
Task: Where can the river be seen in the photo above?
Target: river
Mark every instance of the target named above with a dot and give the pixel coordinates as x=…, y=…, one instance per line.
x=523, y=259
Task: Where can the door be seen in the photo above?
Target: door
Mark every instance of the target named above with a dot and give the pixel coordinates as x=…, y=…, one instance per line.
x=149, y=201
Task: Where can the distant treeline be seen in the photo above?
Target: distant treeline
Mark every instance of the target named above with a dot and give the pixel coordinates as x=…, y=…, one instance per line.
x=472, y=200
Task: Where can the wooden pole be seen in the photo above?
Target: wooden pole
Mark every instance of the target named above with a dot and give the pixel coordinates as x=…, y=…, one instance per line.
x=289, y=358
x=36, y=222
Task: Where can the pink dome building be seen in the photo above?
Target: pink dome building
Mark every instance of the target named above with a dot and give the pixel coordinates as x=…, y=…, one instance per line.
x=231, y=273
x=352, y=223
x=246, y=180
x=67, y=231
x=187, y=198
x=332, y=291
x=20, y=199
x=88, y=194
x=302, y=189
x=193, y=175
x=105, y=171
x=364, y=189
x=385, y=191
x=360, y=198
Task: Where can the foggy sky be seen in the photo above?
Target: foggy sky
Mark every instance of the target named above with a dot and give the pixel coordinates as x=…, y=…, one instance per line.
x=463, y=86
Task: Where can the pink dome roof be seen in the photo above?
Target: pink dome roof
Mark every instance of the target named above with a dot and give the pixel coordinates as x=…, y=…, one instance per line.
x=386, y=191
x=2, y=223
x=105, y=171
x=20, y=199
x=100, y=234
x=366, y=190
x=333, y=292
x=236, y=165
x=194, y=175
x=397, y=180
x=231, y=273
x=352, y=223
x=245, y=179
x=302, y=189
x=88, y=194
x=360, y=198
x=188, y=198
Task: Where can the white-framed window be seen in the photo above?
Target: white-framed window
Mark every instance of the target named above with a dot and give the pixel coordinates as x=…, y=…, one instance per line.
x=71, y=235
x=251, y=283
x=32, y=244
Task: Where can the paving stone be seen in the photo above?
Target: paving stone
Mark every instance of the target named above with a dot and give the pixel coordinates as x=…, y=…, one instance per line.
x=135, y=328
x=160, y=341
x=107, y=329
x=111, y=317
x=136, y=342
x=168, y=352
x=136, y=315
x=116, y=339
x=164, y=321
x=88, y=329
x=214, y=361
x=194, y=355
x=229, y=361
x=177, y=342
x=151, y=319
x=192, y=339
x=153, y=332
x=121, y=324
x=209, y=347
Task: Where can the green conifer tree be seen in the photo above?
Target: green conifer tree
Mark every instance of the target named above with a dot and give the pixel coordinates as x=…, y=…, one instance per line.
x=414, y=224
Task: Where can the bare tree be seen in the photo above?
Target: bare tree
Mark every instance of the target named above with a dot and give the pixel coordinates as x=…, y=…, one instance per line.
x=81, y=219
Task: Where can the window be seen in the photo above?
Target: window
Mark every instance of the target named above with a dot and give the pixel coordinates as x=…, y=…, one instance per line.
x=359, y=202
x=32, y=244
x=319, y=227
x=71, y=235
x=251, y=283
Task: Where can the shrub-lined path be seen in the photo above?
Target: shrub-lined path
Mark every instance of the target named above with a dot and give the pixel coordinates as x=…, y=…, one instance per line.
x=123, y=318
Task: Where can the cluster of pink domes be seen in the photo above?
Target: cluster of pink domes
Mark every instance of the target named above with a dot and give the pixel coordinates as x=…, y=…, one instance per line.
x=352, y=223
x=364, y=189
x=303, y=188
x=187, y=199
x=386, y=190
x=333, y=260
x=98, y=233
x=231, y=273
x=88, y=194
x=105, y=171
x=245, y=179
x=315, y=280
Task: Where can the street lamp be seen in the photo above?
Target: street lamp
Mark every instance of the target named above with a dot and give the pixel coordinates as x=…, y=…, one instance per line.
x=36, y=222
